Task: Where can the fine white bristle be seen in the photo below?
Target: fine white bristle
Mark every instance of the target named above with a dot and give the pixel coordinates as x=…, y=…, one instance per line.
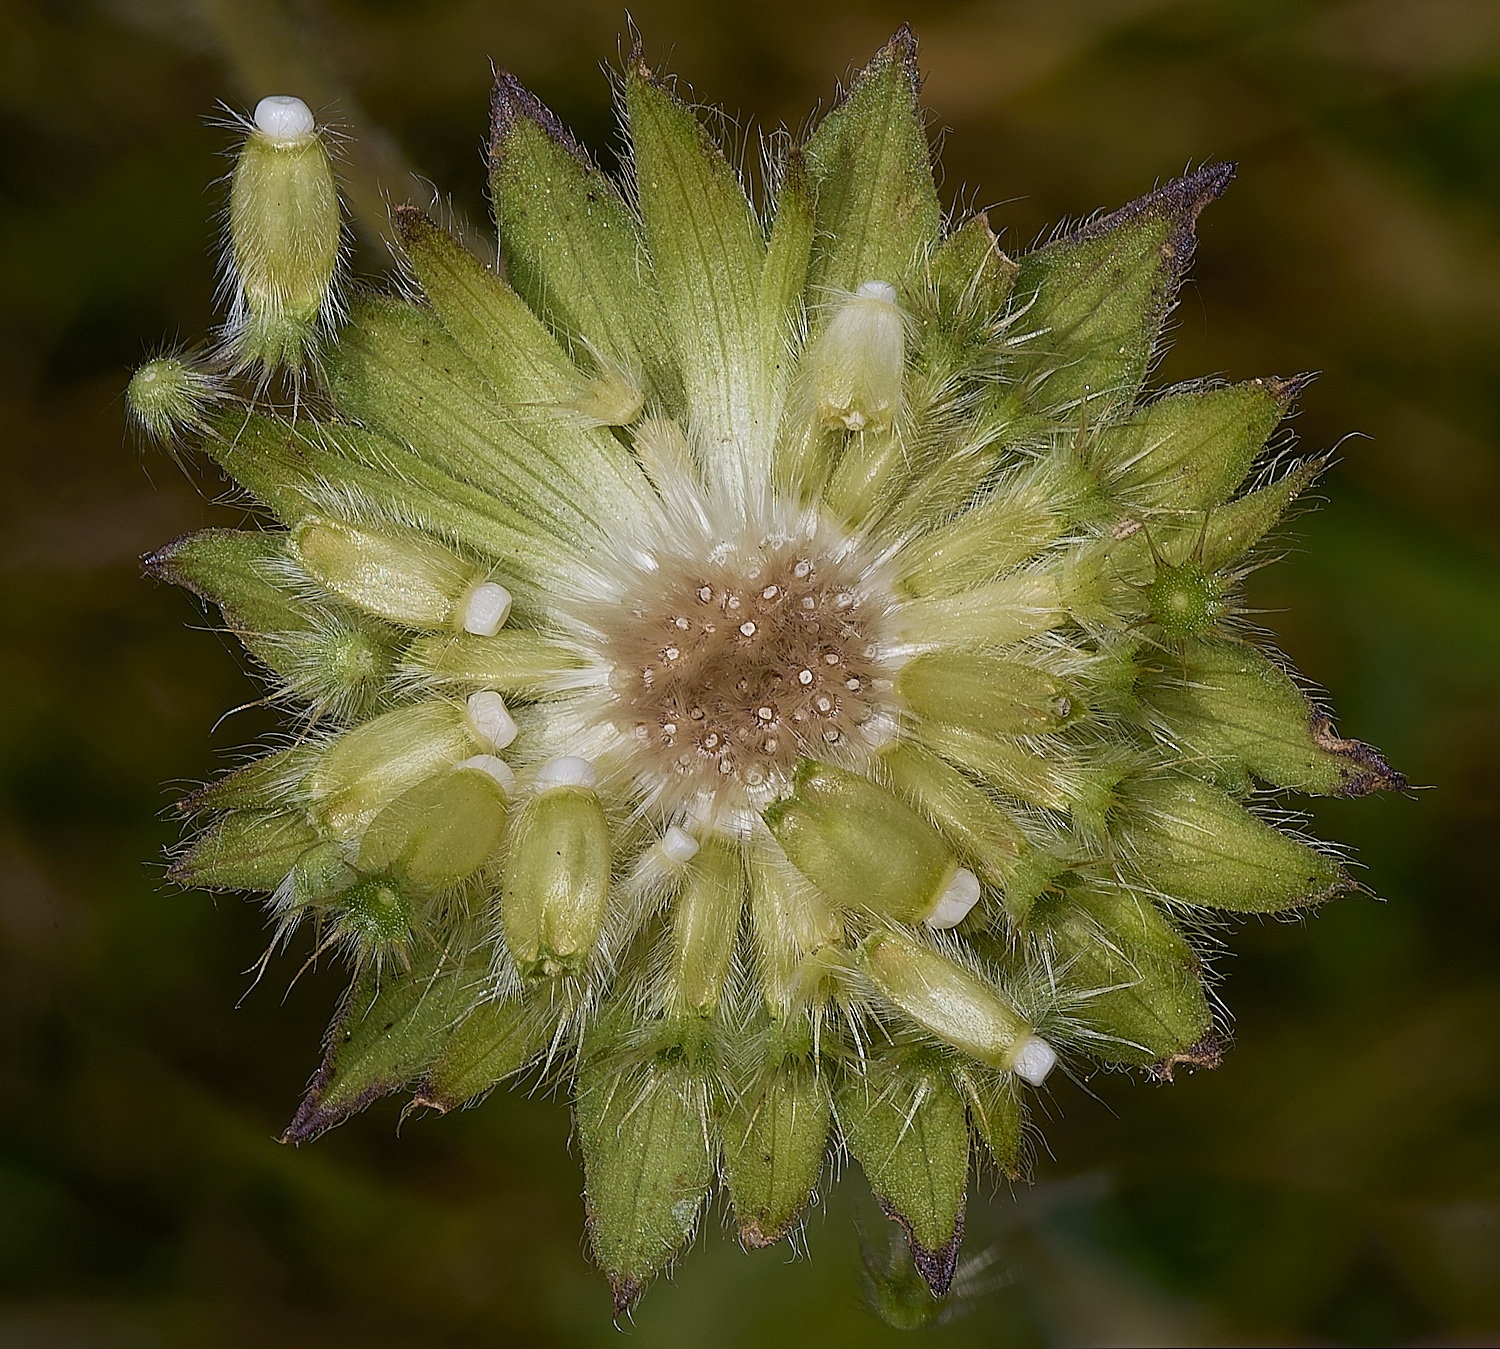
x=497, y=768
x=486, y=609
x=677, y=845
x=284, y=118
x=1035, y=1059
x=566, y=771
x=490, y=719
x=955, y=902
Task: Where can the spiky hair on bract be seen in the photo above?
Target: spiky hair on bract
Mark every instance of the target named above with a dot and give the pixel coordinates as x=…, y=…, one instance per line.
x=774, y=674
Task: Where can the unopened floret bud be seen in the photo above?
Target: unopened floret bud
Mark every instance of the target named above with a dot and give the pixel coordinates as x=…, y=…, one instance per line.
x=556, y=884
x=954, y=1004
x=862, y=847
x=858, y=363
x=395, y=573
x=284, y=238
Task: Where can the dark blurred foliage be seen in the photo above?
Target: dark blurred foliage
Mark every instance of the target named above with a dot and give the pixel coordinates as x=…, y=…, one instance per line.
x=1336, y=1181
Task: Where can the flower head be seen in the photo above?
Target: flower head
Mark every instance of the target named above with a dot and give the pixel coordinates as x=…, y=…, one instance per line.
x=773, y=671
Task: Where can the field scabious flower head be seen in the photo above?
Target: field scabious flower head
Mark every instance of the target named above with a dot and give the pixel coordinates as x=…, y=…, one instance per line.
x=771, y=672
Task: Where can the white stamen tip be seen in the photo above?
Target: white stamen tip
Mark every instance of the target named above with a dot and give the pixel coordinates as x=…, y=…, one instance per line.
x=486, y=609
x=283, y=118
x=490, y=720
x=1034, y=1060
x=955, y=902
x=496, y=768
x=877, y=290
x=677, y=845
x=566, y=771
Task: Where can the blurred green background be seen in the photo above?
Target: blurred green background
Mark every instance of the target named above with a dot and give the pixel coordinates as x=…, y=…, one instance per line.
x=1336, y=1181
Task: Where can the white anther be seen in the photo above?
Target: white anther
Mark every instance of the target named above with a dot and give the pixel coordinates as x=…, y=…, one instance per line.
x=747, y=629
x=677, y=845
x=955, y=902
x=497, y=768
x=490, y=720
x=1034, y=1060
x=681, y=624
x=283, y=118
x=802, y=570
x=804, y=677
x=809, y=603
x=672, y=653
x=705, y=593
x=765, y=713
x=832, y=658
x=566, y=771
x=853, y=685
x=769, y=593
x=486, y=609
x=877, y=290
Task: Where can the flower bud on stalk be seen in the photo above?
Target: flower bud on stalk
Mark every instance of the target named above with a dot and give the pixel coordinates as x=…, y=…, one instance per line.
x=284, y=240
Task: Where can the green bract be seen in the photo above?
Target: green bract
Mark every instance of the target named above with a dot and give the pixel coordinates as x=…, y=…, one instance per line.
x=770, y=668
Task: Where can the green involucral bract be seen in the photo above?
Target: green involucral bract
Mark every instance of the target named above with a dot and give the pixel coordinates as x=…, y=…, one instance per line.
x=769, y=668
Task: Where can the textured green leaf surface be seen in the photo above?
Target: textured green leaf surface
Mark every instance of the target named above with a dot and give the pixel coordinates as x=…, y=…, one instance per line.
x=907, y=1128
x=648, y=1155
x=877, y=208
x=393, y=1025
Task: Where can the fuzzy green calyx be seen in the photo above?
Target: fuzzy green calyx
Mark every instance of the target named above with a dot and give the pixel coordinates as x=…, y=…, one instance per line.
x=769, y=666
x=556, y=881
x=284, y=238
x=860, y=845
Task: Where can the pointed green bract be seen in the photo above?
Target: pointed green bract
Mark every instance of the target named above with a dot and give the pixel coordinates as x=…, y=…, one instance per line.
x=1141, y=997
x=904, y=1123
x=400, y=373
x=783, y=277
x=393, y=1025
x=1234, y=713
x=1190, y=451
x=303, y=468
x=1096, y=298
x=648, y=1154
x=707, y=255
x=878, y=212
x=494, y=1041
x=529, y=373
x=236, y=570
x=1195, y=844
x=775, y=1139
x=570, y=245
x=972, y=278
x=245, y=850
x=997, y=1116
